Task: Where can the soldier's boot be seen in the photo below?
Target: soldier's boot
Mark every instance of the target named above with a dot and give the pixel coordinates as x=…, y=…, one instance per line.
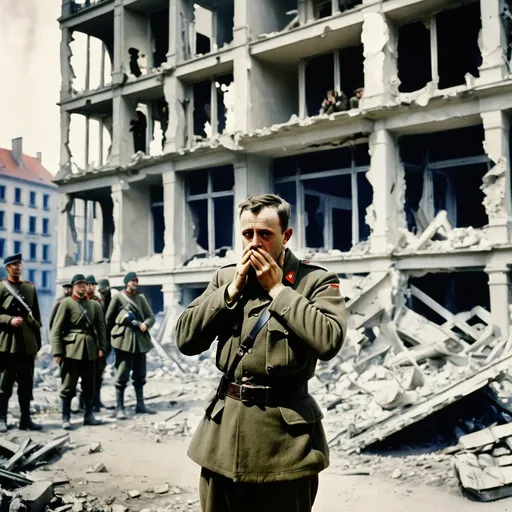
x=141, y=408
x=66, y=413
x=120, y=412
x=89, y=418
x=26, y=422
x=3, y=414
x=97, y=405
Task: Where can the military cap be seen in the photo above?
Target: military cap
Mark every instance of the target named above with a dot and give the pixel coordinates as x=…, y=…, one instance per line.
x=67, y=284
x=103, y=284
x=77, y=278
x=14, y=258
x=130, y=277
x=90, y=280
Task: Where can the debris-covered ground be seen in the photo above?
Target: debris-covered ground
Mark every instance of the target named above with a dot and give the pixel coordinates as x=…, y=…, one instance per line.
x=407, y=404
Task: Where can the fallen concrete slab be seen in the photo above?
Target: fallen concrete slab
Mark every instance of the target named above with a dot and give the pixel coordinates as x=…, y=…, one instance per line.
x=36, y=496
x=379, y=429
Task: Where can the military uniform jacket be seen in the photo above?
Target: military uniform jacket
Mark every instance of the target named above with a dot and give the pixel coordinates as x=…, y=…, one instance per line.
x=251, y=443
x=55, y=308
x=124, y=336
x=71, y=335
x=27, y=338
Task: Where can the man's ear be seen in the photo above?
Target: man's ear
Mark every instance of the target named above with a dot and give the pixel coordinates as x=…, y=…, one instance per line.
x=287, y=235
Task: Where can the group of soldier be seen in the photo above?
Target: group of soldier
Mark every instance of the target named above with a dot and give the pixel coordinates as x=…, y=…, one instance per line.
x=86, y=323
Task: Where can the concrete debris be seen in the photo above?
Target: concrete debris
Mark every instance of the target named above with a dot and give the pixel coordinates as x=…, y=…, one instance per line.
x=486, y=476
x=397, y=367
x=164, y=489
x=396, y=474
x=98, y=468
x=95, y=448
x=134, y=494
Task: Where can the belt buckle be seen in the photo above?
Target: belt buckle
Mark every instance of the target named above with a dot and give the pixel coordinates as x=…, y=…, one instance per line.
x=243, y=398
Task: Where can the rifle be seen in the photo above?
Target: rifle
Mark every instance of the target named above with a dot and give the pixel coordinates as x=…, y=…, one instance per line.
x=32, y=320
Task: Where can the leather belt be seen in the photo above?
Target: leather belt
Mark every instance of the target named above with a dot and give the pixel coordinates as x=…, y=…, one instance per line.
x=79, y=331
x=264, y=395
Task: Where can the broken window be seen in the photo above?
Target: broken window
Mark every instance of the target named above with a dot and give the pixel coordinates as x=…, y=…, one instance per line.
x=158, y=124
x=212, y=107
x=334, y=82
x=159, y=29
x=210, y=198
x=444, y=171
x=431, y=50
x=89, y=139
x=268, y=16
x=189, y=294
x=322, y=8
x=157, y=211
x=211, y=28
x=154, y=295
x=91, y=63
x=139, y=129
x=329, y=194
x=455, y=291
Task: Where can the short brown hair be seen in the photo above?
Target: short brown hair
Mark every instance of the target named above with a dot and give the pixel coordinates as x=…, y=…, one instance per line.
x=257, y=203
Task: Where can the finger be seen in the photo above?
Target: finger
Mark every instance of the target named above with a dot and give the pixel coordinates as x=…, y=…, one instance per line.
x=266, y=256
x=256, y=263
x=259, y=256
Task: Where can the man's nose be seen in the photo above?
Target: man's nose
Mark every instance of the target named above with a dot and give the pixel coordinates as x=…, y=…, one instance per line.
x=256, y=240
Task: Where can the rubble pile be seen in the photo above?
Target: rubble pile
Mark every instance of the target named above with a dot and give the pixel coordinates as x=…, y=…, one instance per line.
x=397, y=367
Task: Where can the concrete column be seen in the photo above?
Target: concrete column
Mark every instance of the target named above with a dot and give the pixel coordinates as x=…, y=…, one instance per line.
x=174, y=215
x=66, y=70
x=174, y=33
x=496, y=183
x=66, y=237
x=493, y=43
x=379, y=39
x=117, y=65
x=242, y=64
x=122, y=139
x=499, y=295
x=252, y=177
x=386, y=215
x=132, y=220
x=65, y=153
x=175, y=95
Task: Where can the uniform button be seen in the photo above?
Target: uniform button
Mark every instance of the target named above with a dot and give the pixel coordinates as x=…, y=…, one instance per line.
x=284, y=310
x=255, y=315
x=249, y=351
x=286, y=332
x=270, y=369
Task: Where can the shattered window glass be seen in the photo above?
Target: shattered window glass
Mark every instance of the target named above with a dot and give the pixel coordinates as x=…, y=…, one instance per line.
x=199, y=213
x=223, y=215
x=365, y=195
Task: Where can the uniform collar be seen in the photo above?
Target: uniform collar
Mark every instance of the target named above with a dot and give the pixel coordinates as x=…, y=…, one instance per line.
x=13, y=281
x=131, y=294
x=290, y=268
x=77, y=298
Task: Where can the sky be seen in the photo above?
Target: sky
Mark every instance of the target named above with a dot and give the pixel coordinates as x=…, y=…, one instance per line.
x=30, y=71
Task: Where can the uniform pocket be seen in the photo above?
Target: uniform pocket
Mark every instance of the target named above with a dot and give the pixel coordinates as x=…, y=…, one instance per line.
x=301, y=411
x=70, y=337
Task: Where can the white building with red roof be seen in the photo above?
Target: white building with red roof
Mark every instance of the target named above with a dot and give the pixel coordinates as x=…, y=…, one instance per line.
x=28, y=215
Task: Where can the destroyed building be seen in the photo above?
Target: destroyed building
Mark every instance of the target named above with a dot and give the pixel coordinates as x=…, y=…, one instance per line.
x=198, y=105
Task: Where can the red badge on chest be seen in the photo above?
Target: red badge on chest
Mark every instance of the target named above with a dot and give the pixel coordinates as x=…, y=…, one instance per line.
x=337, y=286
x=290, y=277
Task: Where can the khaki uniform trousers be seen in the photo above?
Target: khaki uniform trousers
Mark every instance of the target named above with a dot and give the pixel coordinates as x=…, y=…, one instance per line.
x=220, y=494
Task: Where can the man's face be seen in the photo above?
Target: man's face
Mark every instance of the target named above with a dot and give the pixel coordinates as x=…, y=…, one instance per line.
x=264, y=230
x=132, y=285
x=90, y=289
x=79, y=289
x=15, y=269
x=68, y=290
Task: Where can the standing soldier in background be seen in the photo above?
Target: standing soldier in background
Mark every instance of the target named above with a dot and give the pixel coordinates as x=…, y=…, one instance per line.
x=129, y=319
x=261, y=444
x=78, y=339
x=20, y=340
x=90, y=289
x=105, y=293
x=67, y=291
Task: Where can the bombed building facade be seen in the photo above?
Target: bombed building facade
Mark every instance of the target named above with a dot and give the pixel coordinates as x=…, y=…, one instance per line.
x=199, y=105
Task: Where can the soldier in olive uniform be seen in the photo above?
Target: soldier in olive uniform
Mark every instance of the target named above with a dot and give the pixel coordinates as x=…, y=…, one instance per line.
x=101, y=362
x=105, y=293
x=261, y=443
x=129, y=318
x=67, y=291
x=78, y=339
x=20, y=340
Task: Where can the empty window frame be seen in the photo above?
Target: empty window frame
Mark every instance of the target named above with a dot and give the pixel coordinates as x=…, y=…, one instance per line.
x=212, y=27
x=32, y=199
x=157, y=210
x=329, y=194
x=2, y=247
x=341, y=71
x=210, y=199
x=46, y=253
x=325, y=8
x=159, y=30
x=208, y=111
x=430, y=50
x=444, y=171
x=2, y=192
x=33, y=251
x=32, y=221
x=2, y=219
x=17, y=195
